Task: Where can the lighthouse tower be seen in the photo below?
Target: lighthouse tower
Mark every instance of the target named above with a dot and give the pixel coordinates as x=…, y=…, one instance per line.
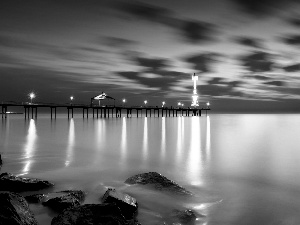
x=195, y=96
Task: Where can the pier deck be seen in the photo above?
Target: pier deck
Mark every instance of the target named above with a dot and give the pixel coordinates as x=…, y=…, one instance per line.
x=31, y=110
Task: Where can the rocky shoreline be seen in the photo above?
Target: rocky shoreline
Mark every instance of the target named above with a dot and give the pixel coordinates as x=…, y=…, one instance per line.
x=114, y=207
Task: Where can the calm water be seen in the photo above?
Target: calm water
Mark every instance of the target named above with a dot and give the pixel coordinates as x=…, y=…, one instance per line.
x=243, y=169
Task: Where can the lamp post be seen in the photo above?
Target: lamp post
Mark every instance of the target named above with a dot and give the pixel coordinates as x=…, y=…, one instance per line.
x=71, y=98
x=31, y=96
x=124, y=100
x=179, y=104
x=145, y=102
x=163, y=103
x=207, y=104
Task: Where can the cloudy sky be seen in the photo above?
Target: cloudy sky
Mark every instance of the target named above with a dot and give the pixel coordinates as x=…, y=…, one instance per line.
x=245, y=52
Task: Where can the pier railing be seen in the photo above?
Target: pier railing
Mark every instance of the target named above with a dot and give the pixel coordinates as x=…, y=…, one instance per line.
x=31, y=110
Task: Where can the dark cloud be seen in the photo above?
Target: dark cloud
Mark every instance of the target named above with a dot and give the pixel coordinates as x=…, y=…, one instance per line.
x=216, y=80
x=294, y=21
x=258, y=77
x=164, y=80
x=249, y=41
x=217, y=90
x=203, y=62
x=257, y=62
x=293, y=39
x=263, y=7
x=152, y=64
x=117, y=42
x=192, y=31
x=275, y=83
x=292, y=68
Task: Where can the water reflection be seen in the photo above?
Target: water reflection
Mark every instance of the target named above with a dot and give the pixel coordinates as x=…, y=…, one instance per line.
x=208, y=137
x=123, y=140
x=145, y=140
x=180, y=133
x=194, y=157
x=100, y=138
x=30, y=146
x=163, y=138
x=71, y=139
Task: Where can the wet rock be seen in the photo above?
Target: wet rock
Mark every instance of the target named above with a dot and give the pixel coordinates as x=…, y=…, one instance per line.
x=96, y=214
x=158, y=181
x=186, y=217
x=36, y=198
x=127, y=204
x=64, y=199
x=10, y=182
x=14, y=210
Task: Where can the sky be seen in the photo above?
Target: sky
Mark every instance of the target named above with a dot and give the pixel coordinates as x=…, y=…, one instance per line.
x=246, y=53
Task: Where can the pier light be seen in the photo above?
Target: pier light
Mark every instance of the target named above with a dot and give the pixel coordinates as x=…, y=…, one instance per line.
x=145, y=102
x=71, y=98
x=163, y=103
x=31, y=96
x=207, y=104
x=124, y=100
x=179, y=103
x=182, y=104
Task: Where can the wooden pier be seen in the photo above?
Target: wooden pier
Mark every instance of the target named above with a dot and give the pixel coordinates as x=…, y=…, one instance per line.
x=31, y=110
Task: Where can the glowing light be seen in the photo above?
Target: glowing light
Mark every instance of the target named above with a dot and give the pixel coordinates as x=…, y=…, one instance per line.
x=145, y=102
x=31, y=96
x=71, y=98
x=207, y=104
x=179, y=103
x=163, y=103
x=124, y=100
x=195, y=96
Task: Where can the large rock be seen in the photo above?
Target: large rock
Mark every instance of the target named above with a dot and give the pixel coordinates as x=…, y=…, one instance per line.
x=90, y=214
x=36, y=198
x=184, y=217
x=14, y=210
x=158, y=181
x=64, y=199
x=10, y=182
x=127, y=204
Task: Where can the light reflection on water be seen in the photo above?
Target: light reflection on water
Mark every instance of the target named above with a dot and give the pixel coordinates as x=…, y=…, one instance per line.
x=30, y=146
x=241, y=167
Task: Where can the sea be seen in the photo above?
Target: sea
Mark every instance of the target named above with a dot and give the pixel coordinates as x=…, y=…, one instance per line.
x=242, y=168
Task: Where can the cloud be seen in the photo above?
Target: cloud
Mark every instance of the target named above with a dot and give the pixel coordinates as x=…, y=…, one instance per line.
x=293, y=39
x=264, y=7
x=203, y=63
x=258, y=77
x=257, y=62
x=249, y=41
x=152, y=64
x=292, y=68
x=217, y=90
x=192, y=31
x=275, y=83
x=162, y=80
x=294, y=21
x=117, y=42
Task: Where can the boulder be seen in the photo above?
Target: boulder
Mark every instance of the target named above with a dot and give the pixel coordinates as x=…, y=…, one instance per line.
x=10, y=182
x=186, y=217
x=159, y=182
x=36, y=198
x=96, y=214
x=64, y=199
x=127, y=204
x=14, y=210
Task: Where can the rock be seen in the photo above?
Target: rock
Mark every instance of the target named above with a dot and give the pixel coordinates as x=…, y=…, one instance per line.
x=158, y=181
x=90, y=214
x=187, y=217
x=36, y=198
x=127, y=204
x=14, y=210
x=64, y=199
x=9, y=182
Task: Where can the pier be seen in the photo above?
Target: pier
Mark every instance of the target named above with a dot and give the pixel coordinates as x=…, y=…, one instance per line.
x=31, y=110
